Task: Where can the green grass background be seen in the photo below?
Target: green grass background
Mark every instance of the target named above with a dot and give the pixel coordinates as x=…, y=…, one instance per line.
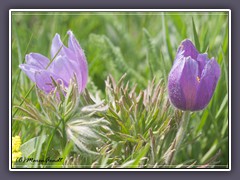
x=144, y=45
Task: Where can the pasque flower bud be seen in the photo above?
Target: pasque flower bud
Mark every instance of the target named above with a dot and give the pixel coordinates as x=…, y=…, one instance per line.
x=67, y=62
x=192, y=79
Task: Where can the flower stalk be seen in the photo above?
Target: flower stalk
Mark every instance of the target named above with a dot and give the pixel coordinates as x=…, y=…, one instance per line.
x=174, y=148
x=64, y=134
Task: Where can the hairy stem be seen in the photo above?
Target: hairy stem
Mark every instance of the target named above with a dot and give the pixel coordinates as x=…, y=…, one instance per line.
x=50, y=139
x=64, y=142
x=172, y=151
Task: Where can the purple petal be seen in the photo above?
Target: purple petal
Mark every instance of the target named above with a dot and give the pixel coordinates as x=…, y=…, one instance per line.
x=175, y=92
x=63, y=67
x=188, y=49
x=202, y=59
x=211, y=74
x=80, y=57
x=29, y=70
x=44, y=81
x=188, y=81
x=208, y=82
x=58, y=48
x=66, y=69
x=37, y=60
x=67, y=63
x=73, y=54
x=179, y=55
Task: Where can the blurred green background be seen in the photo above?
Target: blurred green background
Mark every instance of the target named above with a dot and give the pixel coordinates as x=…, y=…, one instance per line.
x=144, y=45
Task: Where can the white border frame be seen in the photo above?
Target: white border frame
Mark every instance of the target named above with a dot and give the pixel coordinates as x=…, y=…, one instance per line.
x=116, y=10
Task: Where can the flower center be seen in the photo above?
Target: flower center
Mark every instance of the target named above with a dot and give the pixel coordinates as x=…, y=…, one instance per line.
x=198, y=79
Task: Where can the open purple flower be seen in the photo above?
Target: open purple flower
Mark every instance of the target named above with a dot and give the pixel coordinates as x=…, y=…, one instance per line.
x=192, y=79
x=67, y=61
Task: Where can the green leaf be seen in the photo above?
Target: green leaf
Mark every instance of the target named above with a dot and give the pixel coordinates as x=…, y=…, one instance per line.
x=180, y=25
x=31, y=145
x=222, y=107
x=197, y=44
x=167, y=37
x=136, y=162
x=39, y=144
x=67, y=150
x=151, y=53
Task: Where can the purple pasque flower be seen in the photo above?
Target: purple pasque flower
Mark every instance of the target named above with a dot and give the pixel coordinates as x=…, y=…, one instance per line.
x=192, y=79
x=67, y=61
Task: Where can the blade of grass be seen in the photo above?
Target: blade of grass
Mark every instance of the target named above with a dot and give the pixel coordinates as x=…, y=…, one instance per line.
x=180, y=25
x=196, y=40
x=19, y=52
x=64, y=155
x=140, y=156
x=39, y=148
x=218, y=24
x=215, y=146
x=167, y=37
x=151, y=54
x=51, y=138
x=223, y=105
x=19, y=71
